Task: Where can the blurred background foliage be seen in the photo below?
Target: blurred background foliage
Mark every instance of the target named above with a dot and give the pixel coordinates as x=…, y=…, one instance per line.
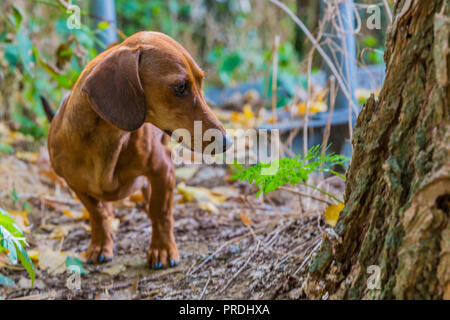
x=231, y=39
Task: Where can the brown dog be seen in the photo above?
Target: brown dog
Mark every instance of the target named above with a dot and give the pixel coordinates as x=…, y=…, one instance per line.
x=106, y=137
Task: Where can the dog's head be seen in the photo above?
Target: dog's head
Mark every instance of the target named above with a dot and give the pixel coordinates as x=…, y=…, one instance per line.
x=152, y=78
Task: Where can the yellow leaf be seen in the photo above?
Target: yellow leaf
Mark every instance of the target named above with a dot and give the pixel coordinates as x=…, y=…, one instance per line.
x=248, y=112
x=61, y=231
x=27, y=156
x=86, y=227
x=331, y=214
x=52, y=261
x=185, y=173
x=314, y=107
x=137, y=197
x=77, y=215
x=271, y=119
x=208, y=206
x=193, y=194
x=199, y=194
x=226, y=192
x=33, y=254
x=236, y=117
x=321, y=95
x=245, y=219
x=21, y=219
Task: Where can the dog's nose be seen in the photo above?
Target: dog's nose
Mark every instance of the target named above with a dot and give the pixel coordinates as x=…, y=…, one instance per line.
x=227, y=142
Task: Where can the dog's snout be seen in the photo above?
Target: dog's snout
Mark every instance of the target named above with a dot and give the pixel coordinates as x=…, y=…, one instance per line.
x=227, y=142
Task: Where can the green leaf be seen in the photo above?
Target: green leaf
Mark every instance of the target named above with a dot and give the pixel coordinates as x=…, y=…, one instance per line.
x=26, y=262
x=5, y=282
x=15, y=196
x=75, y=262
x=17, y=14
x=231, y=62
x=11, y=55
x=7, y=222
x=25, y=50
x=13, y=240
x=6, y=149
x=8, y=245
x=370, y=42
x=103, y=25
x=290, y=170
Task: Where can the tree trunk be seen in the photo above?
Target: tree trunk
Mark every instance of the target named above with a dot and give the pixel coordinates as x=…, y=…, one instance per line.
x=396, y=216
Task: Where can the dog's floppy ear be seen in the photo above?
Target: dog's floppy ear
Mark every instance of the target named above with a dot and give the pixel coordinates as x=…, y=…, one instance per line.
x=115, y=91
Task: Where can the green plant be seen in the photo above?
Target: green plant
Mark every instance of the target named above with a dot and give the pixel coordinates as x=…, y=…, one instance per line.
x=292, y=171
x=32, y=71
x=13, y=241
x=374, y=53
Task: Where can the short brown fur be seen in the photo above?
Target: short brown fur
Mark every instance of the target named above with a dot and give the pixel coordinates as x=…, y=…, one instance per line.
x=106, y=140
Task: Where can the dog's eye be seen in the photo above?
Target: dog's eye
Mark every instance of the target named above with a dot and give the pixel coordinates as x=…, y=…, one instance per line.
x=180, y=88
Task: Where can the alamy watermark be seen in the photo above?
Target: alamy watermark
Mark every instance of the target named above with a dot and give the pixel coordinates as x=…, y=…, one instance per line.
x=374, y=20
x=74, y=19
x=249, y=146
x=374, y=280
x=73, y=282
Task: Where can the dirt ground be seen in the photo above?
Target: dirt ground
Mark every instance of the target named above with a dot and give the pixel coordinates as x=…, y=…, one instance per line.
x=232, y=245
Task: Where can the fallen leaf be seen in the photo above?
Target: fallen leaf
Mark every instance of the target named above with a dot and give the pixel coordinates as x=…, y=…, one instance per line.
x=77, y=215
x=75, y=265
x=199, y=194
x=114, y=270
x=51, y=175
x=5, y=281
x=185, y=173
x=245, y=219
x=27, y=156
x=246, y=118
x=331, y=214
x=225, y=191
x=61, y=231
x=208, y=206
x=314, y=107
x=247, y=111
x=137, y=197
x=52, y=261
x=21, y=219
x=33, y=254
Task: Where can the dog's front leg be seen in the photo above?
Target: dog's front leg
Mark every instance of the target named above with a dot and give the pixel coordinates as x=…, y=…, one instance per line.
x=163, y=250
x=102, y=237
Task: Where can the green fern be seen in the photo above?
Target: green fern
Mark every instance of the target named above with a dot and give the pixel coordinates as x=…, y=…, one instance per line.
x=291, y=170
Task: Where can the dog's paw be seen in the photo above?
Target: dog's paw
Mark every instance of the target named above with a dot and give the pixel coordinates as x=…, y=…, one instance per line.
x=99, y=254
x=164, y=256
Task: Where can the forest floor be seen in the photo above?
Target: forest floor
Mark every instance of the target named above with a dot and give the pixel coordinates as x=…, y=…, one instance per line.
x=232, y=244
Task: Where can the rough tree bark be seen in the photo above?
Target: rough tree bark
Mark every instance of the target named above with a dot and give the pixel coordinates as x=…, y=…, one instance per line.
x=398, y=185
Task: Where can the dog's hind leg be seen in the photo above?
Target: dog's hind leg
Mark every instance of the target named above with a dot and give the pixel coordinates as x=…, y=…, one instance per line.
x=163, y=250
x=102, y=237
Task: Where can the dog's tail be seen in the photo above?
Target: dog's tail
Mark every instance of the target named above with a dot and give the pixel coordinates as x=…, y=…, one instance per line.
x=47, y=109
